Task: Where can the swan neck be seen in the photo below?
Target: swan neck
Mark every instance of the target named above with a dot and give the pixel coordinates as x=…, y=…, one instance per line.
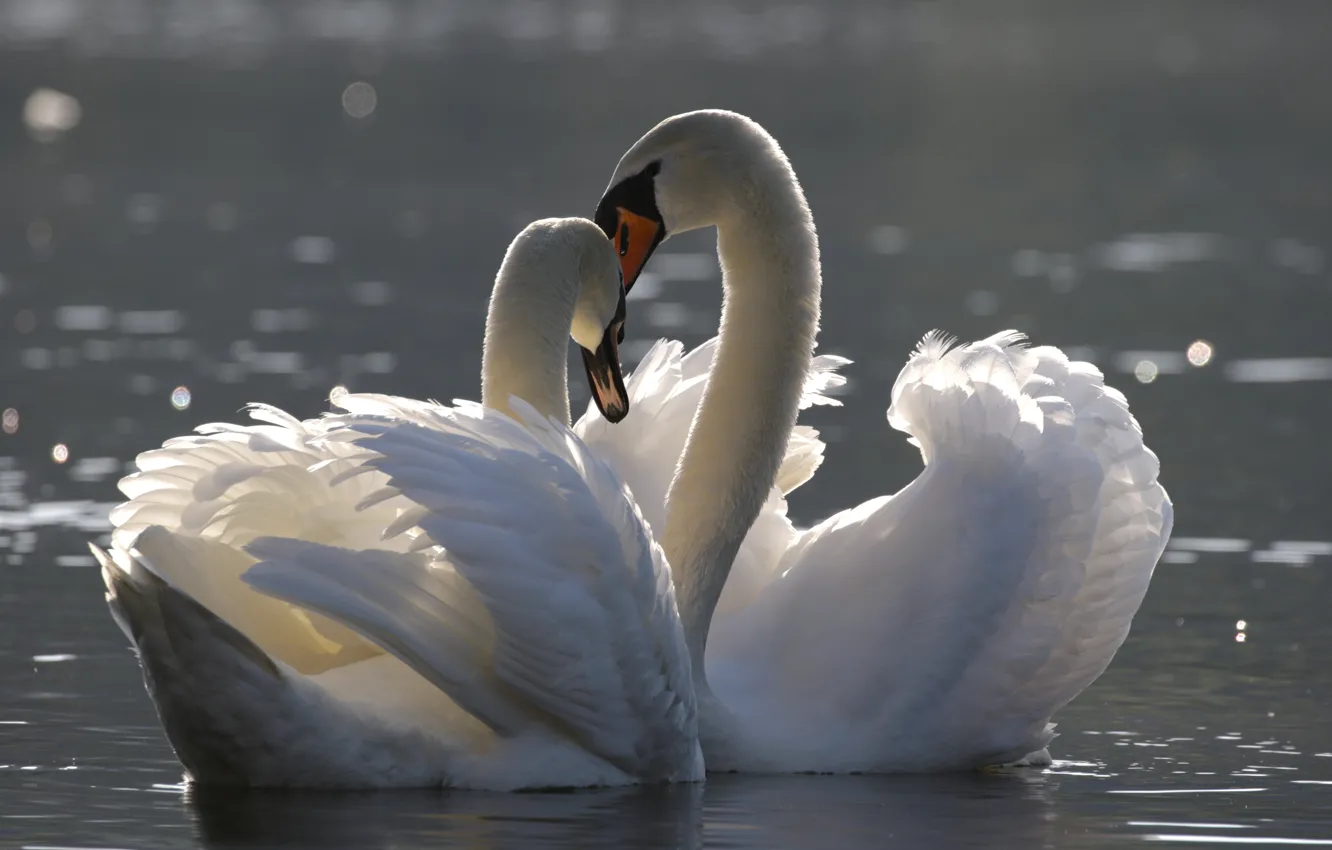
x=770, y=314
x=525, y=353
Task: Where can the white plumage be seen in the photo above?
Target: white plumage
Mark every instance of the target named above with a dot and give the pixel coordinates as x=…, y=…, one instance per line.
x=467, y=599
x=476, y=597
x=665, y=391
x=937, y=628
x=941, y=627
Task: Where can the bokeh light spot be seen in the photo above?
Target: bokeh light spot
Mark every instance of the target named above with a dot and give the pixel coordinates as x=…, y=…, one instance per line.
x=60, y=453
x=1146, y=371
x=359, y=100
x=9, y=421
x=180, y=398
x=48, y=113
x=39, y=234
x=1200, y=352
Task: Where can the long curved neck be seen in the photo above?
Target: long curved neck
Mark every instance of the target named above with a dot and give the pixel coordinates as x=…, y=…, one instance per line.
x=770, y=315
x=526, y=348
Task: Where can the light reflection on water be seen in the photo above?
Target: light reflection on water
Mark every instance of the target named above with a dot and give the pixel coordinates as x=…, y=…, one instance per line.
x=1144, y=202
x=1187, y=734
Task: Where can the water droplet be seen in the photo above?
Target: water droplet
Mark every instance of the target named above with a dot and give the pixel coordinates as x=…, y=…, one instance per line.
x=60, y=453
x=180, y=397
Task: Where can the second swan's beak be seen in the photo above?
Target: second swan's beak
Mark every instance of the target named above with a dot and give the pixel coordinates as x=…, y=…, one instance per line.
x=604, y=374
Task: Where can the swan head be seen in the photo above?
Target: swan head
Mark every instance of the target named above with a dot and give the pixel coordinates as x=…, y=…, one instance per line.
x=598, y=320
x=692, y=170
x=574, y=262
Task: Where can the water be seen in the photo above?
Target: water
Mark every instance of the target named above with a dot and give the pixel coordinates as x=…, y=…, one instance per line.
x=220, y=214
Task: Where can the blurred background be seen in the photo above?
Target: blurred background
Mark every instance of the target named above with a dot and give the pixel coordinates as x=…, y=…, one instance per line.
x=210, y=202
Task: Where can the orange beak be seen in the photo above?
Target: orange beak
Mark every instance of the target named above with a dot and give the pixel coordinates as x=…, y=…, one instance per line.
x=636, y=237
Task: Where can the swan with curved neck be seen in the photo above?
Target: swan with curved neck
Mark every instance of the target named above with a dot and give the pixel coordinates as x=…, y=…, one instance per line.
x=445, y=595
x=717, y=168
x=938, y=628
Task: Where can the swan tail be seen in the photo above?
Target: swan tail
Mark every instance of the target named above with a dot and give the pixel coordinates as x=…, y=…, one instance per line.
x=984, y=565
x=220, y=697
x=236, y=715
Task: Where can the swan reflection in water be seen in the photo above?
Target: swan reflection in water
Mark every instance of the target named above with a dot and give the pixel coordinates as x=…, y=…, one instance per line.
x=1002, y=809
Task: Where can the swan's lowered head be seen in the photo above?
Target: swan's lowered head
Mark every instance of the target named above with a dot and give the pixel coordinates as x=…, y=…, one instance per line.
x=559, y=279
x=698, y=169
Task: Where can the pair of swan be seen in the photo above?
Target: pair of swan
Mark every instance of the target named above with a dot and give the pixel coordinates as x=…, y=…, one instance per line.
x=406, y=593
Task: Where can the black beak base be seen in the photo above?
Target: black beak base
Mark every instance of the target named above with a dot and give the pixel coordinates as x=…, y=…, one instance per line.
x=605, y=376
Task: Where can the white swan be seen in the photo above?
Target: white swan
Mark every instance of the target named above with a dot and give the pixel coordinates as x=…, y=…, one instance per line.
x=544, y=650
x=938, y=628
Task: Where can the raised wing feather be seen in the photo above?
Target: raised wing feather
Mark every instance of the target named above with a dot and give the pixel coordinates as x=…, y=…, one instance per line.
x=665, y=392
x=942, y=626
x=581, y=611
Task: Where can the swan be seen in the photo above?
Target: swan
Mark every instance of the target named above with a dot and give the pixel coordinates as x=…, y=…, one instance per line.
x=299, y=624
x=938, y=628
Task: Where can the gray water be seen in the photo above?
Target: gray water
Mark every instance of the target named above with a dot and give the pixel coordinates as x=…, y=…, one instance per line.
x=198, y=206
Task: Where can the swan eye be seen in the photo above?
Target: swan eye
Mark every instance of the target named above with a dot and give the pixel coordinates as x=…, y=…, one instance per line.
x=624, y=238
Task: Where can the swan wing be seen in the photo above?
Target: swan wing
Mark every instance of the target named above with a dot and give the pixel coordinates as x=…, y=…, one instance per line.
x=665, y=392
x=251, y=689
x=228, y=484
x=941, y=627
x=533, y=566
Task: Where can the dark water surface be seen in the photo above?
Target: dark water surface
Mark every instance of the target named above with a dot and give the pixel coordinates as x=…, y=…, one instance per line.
x=208, y=223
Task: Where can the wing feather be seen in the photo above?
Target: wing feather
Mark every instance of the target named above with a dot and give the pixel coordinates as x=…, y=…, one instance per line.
x=942, y=627
x=547, y=541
